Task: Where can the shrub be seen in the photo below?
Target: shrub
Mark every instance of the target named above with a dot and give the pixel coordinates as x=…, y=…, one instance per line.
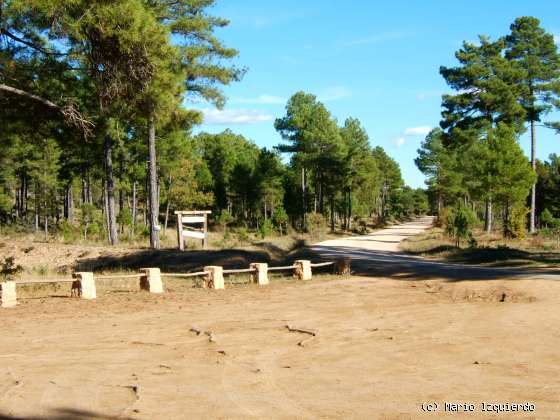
x=547, y=219
x=316, y=225
x=552, y=225
x=69, y=232
x=459, y=224
x=514, y=225
x=242, y=234
x=265, y=229
x=224, y=219
x=125, y=217
x=280, y=219
x=9, y=269
x=362, y=225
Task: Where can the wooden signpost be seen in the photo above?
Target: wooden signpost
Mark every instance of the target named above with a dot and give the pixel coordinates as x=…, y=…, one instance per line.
x=197, y=218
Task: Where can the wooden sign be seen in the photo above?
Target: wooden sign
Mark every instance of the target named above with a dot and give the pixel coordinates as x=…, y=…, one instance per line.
x=200, y=229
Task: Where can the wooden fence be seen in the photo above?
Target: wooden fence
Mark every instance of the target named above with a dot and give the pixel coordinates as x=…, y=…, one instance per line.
x=84, y=283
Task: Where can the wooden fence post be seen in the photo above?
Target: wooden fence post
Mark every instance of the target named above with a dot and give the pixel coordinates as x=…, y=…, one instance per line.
x=84, y=286
x=151, y=280
x=8, y=296
x=180, y=238
x=302, y=271
x=261, y=275
x=342, y=266
x=215, y=277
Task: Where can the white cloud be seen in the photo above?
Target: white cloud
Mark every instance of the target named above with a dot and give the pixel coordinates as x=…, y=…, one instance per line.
x=334, y=93
x=261, y=99
x=234, y=116
x=557, y=39
x=400, y=141
x=417, y=131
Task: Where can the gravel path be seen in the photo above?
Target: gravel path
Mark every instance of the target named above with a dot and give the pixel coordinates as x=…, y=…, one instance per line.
x=378, y=254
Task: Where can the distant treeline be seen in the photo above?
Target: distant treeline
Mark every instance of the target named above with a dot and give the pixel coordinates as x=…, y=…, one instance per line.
x=95, y=134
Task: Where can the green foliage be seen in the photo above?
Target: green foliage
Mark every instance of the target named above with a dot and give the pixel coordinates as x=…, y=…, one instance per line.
x=547, y=219
x=242, y=234
x=316, y=225
x=280, y=219
x=9, y=269
x=516, y=222
x=124, y=217
x=69, y=231
x=91, y=222
x=266, y=228
x=459, y=224
x=224, y=219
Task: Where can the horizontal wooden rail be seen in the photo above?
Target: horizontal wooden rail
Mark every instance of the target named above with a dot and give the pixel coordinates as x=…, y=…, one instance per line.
x=286, y=267
x=324, y=264
x=117, y=276
x=199, y=273
x=43, y=281
x=240, y=270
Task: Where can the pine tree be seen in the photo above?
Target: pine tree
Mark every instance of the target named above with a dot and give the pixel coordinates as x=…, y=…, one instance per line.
x=533, y=51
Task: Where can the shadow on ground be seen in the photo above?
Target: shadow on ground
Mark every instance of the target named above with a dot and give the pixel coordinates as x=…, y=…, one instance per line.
x=366, y=262
x=64, y=414
x=502, y=256
x=174, y=260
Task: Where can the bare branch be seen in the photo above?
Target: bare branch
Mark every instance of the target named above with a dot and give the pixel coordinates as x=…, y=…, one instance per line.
x=69, y=112
x=29, y=44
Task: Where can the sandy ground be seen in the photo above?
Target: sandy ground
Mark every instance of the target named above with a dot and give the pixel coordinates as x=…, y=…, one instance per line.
x=384, y=347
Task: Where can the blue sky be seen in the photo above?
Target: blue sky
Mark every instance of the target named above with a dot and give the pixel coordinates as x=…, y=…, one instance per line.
x=372, y=60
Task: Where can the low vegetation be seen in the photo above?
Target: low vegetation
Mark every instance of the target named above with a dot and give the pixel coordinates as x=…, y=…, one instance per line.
x=538, y=251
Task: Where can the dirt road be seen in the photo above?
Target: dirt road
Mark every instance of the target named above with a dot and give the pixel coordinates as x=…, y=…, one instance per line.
x=378, y=254
x=383, y=349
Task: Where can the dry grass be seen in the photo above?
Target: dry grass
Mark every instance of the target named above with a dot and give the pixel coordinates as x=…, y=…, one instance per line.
x=492, y=249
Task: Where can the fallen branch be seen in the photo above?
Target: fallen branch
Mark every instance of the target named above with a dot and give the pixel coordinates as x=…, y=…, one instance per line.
x=303, y=343
x=301, y=330
x=196, y=330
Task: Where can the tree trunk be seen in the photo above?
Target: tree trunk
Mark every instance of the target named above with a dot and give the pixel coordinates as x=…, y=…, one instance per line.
x=303, y=192
x=350, y=209
x=332, y=212
x=84, y=196
x=488, y=217
x=534, y=166
x=321, y=194
x=110, y=192
x=46, y=228
x=166, y=215
x=153, y=183
x=265, y=215
x=25, y=194
x=70, y=197
x=68, y=203
x=134, y=205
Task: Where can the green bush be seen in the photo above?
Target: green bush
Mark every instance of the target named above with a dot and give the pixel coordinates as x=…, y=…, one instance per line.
x=224, y=219
x=242, y=234
x=125, y=217
x=459, y=224
x=265, y=229
x=316, y=225
x=9, y=269
x=280, y=219
x=515, y=224
x=548, y=220
x=69, y=232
